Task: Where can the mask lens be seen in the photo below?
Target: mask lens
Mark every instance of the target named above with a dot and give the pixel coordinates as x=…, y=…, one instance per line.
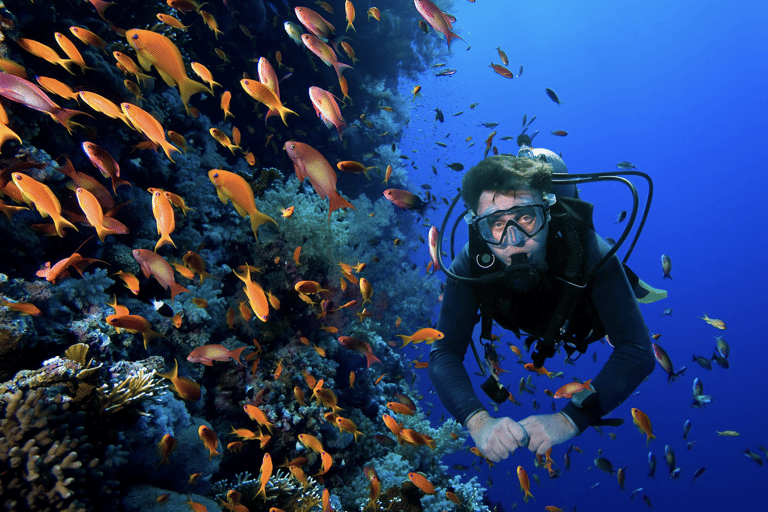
x=526, y=220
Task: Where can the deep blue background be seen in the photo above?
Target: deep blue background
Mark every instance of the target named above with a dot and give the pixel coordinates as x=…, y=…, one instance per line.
x=677, y=88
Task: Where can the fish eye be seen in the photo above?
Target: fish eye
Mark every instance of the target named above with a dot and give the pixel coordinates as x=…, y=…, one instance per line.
x=216, y=175
x=135, y=36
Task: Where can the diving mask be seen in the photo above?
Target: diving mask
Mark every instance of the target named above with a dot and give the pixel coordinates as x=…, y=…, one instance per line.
x=510, y=226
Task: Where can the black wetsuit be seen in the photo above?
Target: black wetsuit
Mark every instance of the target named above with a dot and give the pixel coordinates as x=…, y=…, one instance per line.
x=614, y=301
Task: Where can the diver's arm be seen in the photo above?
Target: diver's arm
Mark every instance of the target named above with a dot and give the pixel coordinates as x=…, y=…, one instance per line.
x=458, y=316
x=632, y=358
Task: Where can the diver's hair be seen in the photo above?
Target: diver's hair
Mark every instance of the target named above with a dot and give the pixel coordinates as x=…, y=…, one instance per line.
x=504, y=174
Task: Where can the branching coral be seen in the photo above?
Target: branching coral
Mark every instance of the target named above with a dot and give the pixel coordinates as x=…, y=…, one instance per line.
x=133, y=389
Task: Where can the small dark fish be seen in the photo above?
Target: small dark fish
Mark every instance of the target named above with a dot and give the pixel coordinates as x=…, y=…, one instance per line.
x=385, y=440
x=686, y=428
x=690, y=445
x=698, y=387
x=604, y=464
x=666, y=312
x=426, y=186
x=698, y=473
x=507, y=137
x=721, y=361
x=456, y=166
x=666, y=265
x=559, y=133
x=722, y=346
x=594, y=486
x=621, y=217
x=525, y=118
x=632, y=495
x=534, y=135
x=520, y=72
x=490, y=126
x=162, y=308
x=502, y=56
x=669, y=454
x=703, y=362
x=647, y=501
x=501, y=70
x=675, y=474
x=524, y=130
x=445, y=200
x=754, y=456
x=621, y=476
x=434, y=169
x=552, y=95
x=700, y=400
x=441, y=144
x=651, y=465
x=439, y=115
x=473, y=105
x=446, y=72
x=393, y=147
x=532, y=120
x=423, y=26
x=460, y=467
x=626, y=165
x=458, y=113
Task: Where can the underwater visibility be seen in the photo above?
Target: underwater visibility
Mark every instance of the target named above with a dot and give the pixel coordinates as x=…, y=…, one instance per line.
x=228, y=231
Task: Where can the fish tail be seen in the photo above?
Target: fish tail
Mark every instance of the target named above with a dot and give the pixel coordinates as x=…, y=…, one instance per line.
x=61, y=223
x=116, y=182
x=63, y=117
x=336, y=202
x=176, y=289
x=168, y=148
x=257, y=219
x=371, y=359
x=102, y=231
x=150, y=335
x=235, y=354
x=68, y=64
x=340, y=66
x=164, y=240
x=283, y=111
x=189, y=87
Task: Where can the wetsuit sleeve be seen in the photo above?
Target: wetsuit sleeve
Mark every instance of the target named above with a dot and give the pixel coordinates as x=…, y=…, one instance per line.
x=632, y=359
x=458, y=316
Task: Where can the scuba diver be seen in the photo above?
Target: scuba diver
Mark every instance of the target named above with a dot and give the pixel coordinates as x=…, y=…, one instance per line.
x=534, y=263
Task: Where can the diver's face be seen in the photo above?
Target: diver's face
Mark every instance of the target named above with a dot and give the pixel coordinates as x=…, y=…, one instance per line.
x=515, y=243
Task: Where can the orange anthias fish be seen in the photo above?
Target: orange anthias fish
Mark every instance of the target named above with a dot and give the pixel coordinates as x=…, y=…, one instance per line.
x=643, y=424
x=258, y=416
x=154, y=49
x=226, y=99
x=209, y=439
x=568, y=390
x=105, y=163
x=165, y=447
x=349, y=10
x=205, y=74
x=101, y=104
x=146, y=124
x=152, y=264
x=426, y=334
x=309, y=163
x=56, y=87
x=266, y=472
x=93, y=212
x=327, y=109
x=186, y=388
x=126, y=65
x=25, y=308
x=28, y=94
x=404, y=199
x=223, y=139
x=69, y=48
x=366, y=290
x=35, y=193
x=164, y=218
x=324, y=52
x=89, y=38
x=207, y=354
x=315, y=23
x=232, y=187
x=422, y=483
x=264, y=94
x=134, y=324
x=45, y=52
x=360, y=347
x=436, y=18
x=525, y=484
x=256, y=296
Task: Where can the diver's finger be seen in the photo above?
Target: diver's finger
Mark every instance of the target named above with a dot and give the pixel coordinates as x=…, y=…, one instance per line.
x=518, y=432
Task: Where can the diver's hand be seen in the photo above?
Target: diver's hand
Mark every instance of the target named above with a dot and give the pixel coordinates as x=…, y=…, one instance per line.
x=496, y=438
x=547, y=430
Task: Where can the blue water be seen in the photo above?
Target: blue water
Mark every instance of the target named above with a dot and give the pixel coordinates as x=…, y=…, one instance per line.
x=677, y=88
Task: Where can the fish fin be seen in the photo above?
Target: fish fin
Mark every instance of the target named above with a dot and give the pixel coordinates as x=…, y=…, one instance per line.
x=61, y=223
x=257, y=219
x=283, y=112
x=164, y=240
x=176, y=289
x=150, y=335
x=336, y=202
x=190, y=87
x=371, y=359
